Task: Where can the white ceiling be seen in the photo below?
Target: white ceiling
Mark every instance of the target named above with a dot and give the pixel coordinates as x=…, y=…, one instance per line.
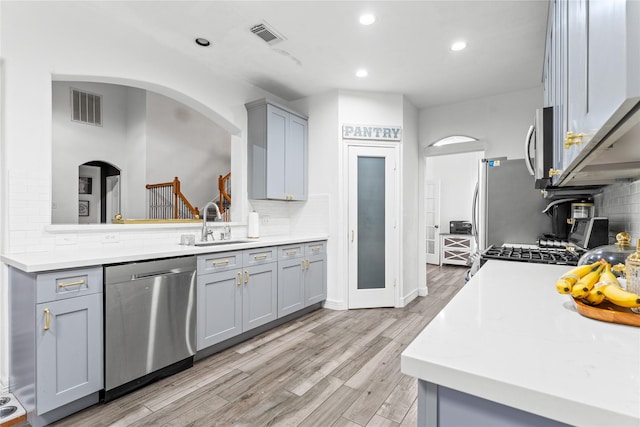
x=406, y=51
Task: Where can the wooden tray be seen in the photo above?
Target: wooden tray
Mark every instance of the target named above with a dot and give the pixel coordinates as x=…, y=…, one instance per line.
x=608, y=312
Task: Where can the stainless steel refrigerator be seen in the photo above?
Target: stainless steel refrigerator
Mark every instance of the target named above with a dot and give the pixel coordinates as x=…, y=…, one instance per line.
x=506, y=207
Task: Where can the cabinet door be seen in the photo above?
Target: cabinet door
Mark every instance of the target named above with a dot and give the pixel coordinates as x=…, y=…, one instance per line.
x=295, y=159
x=68, y=351
x=577, y=87
x=291, y=290
x=219, y=307
x=260, y=295
x=277, y=134
x=608, y=50
x=315, y=283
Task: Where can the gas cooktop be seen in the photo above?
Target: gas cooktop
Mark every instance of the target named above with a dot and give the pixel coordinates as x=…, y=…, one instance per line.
x=532, y=254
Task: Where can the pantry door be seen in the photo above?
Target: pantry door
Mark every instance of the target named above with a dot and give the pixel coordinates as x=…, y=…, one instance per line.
x=373, y=241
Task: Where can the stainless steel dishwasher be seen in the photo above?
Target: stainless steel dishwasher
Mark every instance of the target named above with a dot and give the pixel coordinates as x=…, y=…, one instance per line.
x=150, y=315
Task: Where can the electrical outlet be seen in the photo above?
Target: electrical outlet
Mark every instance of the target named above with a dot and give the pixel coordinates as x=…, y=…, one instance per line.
x=265, y=219
x=111, y=238
x=66, y=239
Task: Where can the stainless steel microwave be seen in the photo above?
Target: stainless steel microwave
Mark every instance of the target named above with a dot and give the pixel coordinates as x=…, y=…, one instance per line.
x=538, y=154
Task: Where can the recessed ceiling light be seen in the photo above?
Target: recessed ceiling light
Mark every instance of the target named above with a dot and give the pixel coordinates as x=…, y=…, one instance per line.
x=367, y=19
x=202, y=42
x=362, y=73
x=458, y=46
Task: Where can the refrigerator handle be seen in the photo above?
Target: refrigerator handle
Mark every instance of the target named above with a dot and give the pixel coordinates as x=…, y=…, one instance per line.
x=527, y=149
x=474, y=218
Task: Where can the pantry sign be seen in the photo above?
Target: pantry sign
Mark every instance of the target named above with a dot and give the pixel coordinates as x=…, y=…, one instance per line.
x=380, y=133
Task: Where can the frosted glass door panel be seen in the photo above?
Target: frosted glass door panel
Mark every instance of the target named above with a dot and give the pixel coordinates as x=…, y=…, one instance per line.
x=371, y=222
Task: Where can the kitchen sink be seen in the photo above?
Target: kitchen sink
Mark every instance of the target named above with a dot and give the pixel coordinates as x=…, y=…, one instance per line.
x=223, y=242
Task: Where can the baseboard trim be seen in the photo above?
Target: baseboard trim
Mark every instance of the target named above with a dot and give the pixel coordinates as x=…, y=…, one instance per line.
x=408, y=298
x=335, y=305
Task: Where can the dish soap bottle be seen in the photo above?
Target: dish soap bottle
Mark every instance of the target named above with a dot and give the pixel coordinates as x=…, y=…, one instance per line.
x=632, y=268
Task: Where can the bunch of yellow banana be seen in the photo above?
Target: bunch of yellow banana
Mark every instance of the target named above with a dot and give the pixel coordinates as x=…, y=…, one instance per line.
x=594, y=283
x=565, y=283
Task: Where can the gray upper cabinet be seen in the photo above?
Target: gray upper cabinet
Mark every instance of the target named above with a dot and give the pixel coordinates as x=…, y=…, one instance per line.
x=277, y=152
x=591, y=74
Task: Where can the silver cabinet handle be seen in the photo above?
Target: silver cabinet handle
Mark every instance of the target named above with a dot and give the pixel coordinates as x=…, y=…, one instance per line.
x=261, y=256
x=291, y=252
x=246, y=277
x=239, y=281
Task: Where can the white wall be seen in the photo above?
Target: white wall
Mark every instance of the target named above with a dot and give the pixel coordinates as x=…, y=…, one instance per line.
x=182, y=142
x=413, y=275
x=40, y=43
x=75, y=143
x=151, y=138
x=500, y=122
x=457, y=174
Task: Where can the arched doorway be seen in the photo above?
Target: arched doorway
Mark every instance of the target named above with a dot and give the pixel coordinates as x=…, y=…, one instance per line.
x=99, y=192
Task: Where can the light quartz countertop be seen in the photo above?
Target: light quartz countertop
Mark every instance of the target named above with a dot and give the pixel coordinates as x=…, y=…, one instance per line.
x=110, y=254
x=509, y=337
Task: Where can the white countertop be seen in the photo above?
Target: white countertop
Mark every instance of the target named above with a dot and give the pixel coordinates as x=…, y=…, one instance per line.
x=509, y=337
x=110, y=254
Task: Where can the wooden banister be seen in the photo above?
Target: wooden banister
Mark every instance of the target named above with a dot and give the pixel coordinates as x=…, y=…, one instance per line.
x=179, y=200
x=225, y=197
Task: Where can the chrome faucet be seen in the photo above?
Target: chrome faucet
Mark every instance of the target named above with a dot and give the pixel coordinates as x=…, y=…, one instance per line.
x=205, y=230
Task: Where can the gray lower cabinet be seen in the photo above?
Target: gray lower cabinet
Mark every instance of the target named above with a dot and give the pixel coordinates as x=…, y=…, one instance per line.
x=242, y=290
x=240, y=294
x=315, y=277
x=291, y=294
x=56, y=336
x=301, y=276
x=69, y=350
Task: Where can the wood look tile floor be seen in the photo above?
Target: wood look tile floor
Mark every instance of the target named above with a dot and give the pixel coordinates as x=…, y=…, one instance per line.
x=328, y=368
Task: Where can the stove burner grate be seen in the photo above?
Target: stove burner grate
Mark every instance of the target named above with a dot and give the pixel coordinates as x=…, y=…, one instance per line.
x=537, y=255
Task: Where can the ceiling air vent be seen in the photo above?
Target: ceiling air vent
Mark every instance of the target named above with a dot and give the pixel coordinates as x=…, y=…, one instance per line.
x=266, y=33
x=86, y=107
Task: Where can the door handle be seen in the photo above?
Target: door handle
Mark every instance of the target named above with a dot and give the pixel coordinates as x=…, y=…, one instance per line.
x=239, y=281
x=352, y=235
x=47, y=319
x=246, y=277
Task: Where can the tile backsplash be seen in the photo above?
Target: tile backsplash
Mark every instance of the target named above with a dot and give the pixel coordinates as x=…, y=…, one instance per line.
x=621, y=204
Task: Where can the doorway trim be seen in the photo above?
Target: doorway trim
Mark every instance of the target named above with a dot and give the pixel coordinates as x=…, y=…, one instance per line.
x=397, y=229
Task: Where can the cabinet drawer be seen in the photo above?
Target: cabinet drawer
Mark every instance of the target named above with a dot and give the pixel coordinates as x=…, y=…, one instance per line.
x=221, y=261
x=259, y=256
x=63, y=284
x=315, y=248
x=290, y=251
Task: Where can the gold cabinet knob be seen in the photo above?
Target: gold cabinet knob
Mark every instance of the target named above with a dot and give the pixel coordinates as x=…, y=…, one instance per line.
x=572, y=139
x=554, y=172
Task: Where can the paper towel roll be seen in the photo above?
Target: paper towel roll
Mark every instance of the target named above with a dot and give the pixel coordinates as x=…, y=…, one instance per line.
x=253, y=225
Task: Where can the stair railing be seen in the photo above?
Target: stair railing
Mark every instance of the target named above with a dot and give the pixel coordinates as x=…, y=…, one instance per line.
x=166, y=201
x=224, y=202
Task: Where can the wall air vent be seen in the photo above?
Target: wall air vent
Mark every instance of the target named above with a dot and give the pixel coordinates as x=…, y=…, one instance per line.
x=266, y=33
x=86, y=107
